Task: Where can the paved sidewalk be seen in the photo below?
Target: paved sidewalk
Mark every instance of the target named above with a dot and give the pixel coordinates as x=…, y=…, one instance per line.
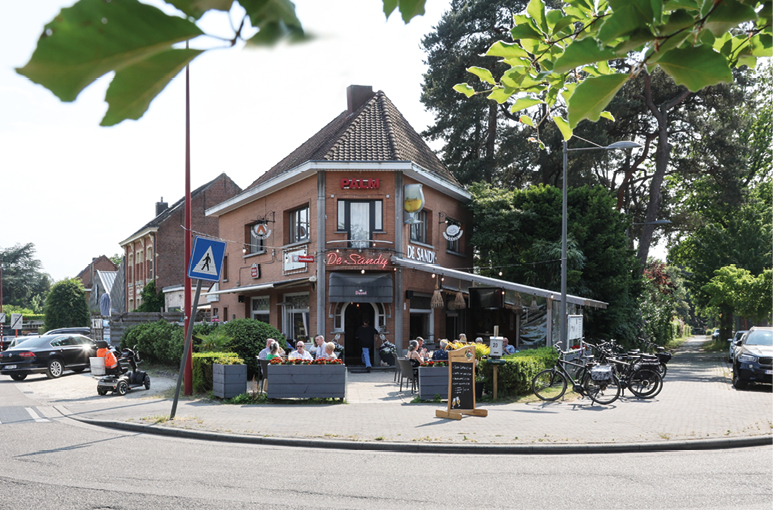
x=697, y=408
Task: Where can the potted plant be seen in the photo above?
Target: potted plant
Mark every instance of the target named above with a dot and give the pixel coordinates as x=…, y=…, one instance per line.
x=320, y=378
x=229, y=377
x=433, y=380
x=387, y=352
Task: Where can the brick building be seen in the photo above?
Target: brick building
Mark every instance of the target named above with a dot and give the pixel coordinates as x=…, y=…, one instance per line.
x=89, y=274
x=156, y=251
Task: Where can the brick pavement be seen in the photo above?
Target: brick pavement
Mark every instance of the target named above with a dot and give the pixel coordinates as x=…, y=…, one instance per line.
x=697, y=402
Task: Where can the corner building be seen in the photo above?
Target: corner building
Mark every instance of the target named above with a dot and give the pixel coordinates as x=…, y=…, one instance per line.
x=316, y=243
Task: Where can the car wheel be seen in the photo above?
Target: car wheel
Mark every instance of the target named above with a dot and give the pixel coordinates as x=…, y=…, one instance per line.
x=18, y=377
x=122, y=388
x=101, y=392
x=146, y=382
x=55, y=368
x=738, y=383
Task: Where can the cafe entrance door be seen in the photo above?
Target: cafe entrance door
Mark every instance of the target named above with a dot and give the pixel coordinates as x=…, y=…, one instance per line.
x=354, y=315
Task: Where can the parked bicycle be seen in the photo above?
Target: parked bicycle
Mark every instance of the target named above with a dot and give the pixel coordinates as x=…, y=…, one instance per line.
x=598, y=383
x=636, y=372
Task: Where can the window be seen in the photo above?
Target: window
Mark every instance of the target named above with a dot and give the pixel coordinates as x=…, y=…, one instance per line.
x=299, y=225
x=296, y=316
x=360, y=218
x=419, y=230
x=130, y=271
x=260, y=309
x=453, y=246
x=225, y=314
x=224, y=270
x=255, y=243
x=149, y=258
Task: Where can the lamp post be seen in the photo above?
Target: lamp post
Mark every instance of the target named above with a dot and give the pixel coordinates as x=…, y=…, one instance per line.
x=614, y=146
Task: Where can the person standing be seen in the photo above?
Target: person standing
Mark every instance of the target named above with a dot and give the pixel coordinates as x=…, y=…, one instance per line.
x=366, y=334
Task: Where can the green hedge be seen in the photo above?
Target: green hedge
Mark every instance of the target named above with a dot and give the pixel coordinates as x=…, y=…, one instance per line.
x=515, y=376
x=202, y=367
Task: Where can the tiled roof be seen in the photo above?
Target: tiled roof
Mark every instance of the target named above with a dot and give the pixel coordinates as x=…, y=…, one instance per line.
x=376, y=131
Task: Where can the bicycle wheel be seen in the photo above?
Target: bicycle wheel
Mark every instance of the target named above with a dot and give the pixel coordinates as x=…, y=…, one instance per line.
x=602, y=392
x=549, y=384
x=662, y=368
x=645, y=382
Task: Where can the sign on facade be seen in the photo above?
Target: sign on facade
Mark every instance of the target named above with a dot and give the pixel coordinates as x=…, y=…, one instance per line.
x=574, y=328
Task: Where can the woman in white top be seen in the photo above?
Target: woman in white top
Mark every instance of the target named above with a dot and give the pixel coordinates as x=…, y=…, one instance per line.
x=329, y=348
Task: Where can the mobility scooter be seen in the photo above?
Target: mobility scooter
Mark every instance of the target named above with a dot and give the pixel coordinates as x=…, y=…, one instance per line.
x=124, y=376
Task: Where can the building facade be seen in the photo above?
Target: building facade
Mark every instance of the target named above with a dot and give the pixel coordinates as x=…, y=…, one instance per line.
x=155, y=252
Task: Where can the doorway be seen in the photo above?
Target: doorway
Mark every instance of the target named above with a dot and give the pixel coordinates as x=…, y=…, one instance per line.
x=354, y=314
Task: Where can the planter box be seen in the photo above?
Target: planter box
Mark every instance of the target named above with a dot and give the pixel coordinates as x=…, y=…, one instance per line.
x=433, y=381
x=229, y=380
x=306, y=381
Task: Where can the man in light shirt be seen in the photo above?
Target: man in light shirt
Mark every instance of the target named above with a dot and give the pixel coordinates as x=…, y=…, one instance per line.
x=262, y=354
x=300, y=352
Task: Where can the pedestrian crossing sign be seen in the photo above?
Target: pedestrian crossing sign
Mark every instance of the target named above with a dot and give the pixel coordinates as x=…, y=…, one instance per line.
x=206, y=259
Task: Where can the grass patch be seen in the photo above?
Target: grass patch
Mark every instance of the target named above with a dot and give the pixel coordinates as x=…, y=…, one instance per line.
x=718, y=345
x=261, y=398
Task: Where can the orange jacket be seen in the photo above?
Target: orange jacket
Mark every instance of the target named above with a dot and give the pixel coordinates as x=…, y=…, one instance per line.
x=110, y=359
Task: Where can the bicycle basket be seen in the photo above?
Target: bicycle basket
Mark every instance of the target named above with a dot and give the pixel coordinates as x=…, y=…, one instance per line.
x=664, y=357
x=601, y=373
x=649, y=360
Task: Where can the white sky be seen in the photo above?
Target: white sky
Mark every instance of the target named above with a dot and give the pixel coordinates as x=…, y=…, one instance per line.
x=76, y=190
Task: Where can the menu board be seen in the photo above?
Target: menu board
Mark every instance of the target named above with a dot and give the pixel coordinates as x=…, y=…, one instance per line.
x=462, y=394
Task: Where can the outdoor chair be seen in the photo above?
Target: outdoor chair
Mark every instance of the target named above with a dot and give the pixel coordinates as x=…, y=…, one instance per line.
x=264, y=374
x=397, y=367
x=406, y=372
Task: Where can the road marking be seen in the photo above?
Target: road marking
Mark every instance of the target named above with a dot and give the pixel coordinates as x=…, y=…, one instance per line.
x=35, y=416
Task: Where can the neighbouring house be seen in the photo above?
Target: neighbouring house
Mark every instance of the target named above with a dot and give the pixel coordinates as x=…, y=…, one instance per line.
x=89, y=274
x=363, y=222
x=156, y=252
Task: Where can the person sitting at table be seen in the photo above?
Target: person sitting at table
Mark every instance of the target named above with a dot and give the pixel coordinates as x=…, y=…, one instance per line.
x=463, y=338
x=300, y=351
x=506, y=347
x=329, y=351
x=479, y=340
x=442, y=353
x=274, y=351
x=414, y=356
x=421, y=349
x=265, y=352
x=319, y=347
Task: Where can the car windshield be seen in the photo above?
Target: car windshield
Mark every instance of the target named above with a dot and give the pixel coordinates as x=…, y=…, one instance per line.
x=760, y=338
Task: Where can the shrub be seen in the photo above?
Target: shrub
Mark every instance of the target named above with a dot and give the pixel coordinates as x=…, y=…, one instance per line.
x=202, y=367
x=249, y=338
x=66, y=305
x=515, y=376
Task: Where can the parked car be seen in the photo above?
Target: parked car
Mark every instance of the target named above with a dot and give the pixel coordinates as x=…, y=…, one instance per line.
x=85, y=331
x=49, y=354
x=754, y=357
x=715, y=334
x=16, y=341
x=736, y=337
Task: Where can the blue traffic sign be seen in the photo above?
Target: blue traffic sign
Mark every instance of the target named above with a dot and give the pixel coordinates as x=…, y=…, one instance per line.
x=206, y=259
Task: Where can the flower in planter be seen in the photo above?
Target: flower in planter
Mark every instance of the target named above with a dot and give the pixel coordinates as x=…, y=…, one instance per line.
x=434, y=364
x=280, y=361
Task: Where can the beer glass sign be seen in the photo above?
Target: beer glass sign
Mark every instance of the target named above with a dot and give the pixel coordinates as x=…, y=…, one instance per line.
x=413, y=202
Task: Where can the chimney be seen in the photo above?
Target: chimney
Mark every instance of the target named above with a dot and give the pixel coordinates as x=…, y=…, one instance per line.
x=161, y=206
x=356, y=96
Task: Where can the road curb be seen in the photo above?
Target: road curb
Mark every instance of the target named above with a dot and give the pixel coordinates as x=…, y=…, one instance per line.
x=537, y=449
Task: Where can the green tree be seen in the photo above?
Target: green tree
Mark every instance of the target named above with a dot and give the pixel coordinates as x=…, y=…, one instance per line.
x=136, y=42
x=152, y=300
x=519, y=233
x=24, y=282
x=66, y=305
x=735, y=290
x=658, y=302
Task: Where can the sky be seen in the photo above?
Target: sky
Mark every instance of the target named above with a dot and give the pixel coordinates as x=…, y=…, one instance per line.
x=76, y=190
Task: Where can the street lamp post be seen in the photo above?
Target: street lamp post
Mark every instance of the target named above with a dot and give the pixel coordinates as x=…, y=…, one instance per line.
x=614, y=146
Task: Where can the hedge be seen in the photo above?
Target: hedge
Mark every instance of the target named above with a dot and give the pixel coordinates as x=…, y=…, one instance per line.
x=514, y=377
x=202, y=367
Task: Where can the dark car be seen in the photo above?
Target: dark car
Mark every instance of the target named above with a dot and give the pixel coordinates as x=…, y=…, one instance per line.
x=754, y=357
x=738, y=335
x=85, y=331
x=49, y=354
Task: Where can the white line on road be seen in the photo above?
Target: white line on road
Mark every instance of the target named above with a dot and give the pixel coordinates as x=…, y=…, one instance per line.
x=35, y=416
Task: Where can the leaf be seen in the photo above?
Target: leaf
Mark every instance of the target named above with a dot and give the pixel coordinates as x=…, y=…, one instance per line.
x=592, y=96
x=762, y=45
x=499, y=95
x=274, y=19
x=464, y=89
x=482, y=73
x=696, y=67
x=563, y=126
x=94, y=37
x=409, y=9
x=564, y=22
x=526, y=120
x=524, y=102
x=607, y=115
x=196, y=8
x=525, y=31
x=506, y=50
x=727, y=15
x=135, y=86
x=536, y=9
x=579, y=53
x=677, y=20
x=621, y=23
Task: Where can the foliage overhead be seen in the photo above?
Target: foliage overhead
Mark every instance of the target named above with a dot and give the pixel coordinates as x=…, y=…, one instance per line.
x=139, y=43
x=561, y=57
x=66, y=305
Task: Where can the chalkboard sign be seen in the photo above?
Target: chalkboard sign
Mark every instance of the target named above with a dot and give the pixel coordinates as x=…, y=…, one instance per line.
x=462, y=394
x=461, y=385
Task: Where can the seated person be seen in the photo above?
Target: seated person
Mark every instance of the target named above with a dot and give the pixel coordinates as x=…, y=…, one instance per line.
x=319, y=346
x=506, y=347
x=463, y=338
x=265, y=352
x=329, y=351
x=274, y=351
x=442, y=353
x=414, y=356
x=111, y=362
x=300, y=352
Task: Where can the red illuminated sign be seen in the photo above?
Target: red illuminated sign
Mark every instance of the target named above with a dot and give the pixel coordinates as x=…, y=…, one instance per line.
x=360, y=183
x=355, y=259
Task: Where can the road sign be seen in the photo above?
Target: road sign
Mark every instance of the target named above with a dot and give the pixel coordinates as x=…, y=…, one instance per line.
x=2, y=317
x=16, y=321
x=206, y=259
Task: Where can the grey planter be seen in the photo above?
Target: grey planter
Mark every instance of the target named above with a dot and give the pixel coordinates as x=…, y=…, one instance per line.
x=306, y=381
x=229, y=380
x=433, y=381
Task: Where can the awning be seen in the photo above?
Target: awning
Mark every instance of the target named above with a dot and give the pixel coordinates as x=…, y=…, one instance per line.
x=360, y=288
x=493, y=282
